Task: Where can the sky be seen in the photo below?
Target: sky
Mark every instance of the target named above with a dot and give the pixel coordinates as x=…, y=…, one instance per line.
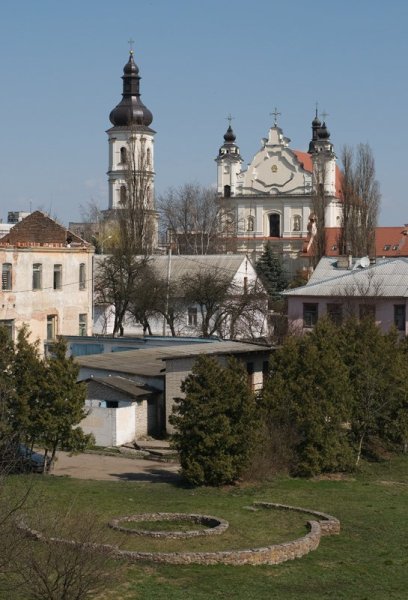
x=61, y=65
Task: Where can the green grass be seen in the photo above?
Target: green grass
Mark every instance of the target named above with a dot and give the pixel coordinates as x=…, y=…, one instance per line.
x=368, y=560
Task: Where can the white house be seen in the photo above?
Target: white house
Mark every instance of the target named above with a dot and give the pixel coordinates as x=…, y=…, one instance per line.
x=236, y=267
x=46, y=279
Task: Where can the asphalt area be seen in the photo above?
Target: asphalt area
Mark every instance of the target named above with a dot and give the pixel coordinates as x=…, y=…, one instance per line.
x=114, y=468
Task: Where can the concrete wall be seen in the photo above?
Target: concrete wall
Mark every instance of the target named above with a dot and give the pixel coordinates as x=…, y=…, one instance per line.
x=111, y=426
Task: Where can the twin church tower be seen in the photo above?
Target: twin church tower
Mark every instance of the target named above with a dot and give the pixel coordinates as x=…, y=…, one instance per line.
x=269, y=200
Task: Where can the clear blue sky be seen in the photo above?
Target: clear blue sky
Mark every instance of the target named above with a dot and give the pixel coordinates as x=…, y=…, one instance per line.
x=61, y=65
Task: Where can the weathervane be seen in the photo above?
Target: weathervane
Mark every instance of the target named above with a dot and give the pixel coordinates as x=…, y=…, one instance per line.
x=131, y=42
x=275, y=114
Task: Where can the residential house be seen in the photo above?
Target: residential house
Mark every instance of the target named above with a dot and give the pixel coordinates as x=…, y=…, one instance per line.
x=46, y=279
x=173, y=269
x=343, y=287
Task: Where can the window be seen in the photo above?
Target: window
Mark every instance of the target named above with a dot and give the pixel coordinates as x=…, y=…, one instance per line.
x=297, y=223
x=8, y=325
x=245, y=285
x=82, y=276
x=399, y=316
x=227, y=191
x=192, y=316
x=310, y=314
x=37, y=276
x=51, y=327
x=250, y=374
x=367, y=311
x=57, y=283
x=83, y=322
x=6, y=277
x=123, y=155
x=251, y=223
x=122, y=192
x=335, y=313
x=148, y=157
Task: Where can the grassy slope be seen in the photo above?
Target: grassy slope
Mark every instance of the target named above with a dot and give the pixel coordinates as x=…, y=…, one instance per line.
x=368, y=560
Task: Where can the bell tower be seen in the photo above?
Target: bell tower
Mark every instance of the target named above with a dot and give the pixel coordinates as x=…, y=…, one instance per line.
x=228, y=164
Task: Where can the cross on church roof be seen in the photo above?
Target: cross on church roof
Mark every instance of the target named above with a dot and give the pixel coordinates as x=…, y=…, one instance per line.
x=325, y=115
x=229, y=119
x=131, y=42
x=275, y=114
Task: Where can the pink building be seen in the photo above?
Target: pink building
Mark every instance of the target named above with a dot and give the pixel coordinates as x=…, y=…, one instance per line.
x=342, y=287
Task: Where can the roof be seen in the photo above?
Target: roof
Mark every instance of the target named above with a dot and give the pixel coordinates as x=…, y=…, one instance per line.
x=127, y=386
x=306, y=162
x=38, y=229
x=149, y=361
x=181, y=265
x=388, y=278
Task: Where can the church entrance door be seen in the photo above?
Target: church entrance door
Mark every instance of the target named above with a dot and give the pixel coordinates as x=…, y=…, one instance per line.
x=274, y=225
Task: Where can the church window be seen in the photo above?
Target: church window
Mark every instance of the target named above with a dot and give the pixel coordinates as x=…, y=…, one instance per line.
x=227, y=191
x=297, y=223
x=122, y=193
x=123, y=155
x=148, y=157
x=274, y=225
x=6, y=277
x=226, y=169
x=250, y=223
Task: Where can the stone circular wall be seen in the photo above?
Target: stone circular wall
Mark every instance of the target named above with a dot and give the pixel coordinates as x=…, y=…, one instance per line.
x=269, y=555
x=214, y=525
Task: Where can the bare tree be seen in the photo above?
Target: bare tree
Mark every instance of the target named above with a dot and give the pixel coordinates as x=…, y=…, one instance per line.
x=193, y=219
x=361, y=201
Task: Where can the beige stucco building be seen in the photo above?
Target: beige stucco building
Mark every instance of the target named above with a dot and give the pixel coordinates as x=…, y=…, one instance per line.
x=46, y=280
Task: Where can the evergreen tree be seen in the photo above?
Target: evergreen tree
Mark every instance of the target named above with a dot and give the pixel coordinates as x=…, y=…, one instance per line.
x=62, y=405
x=308, y=394
x=215, y=422
x=270, y=269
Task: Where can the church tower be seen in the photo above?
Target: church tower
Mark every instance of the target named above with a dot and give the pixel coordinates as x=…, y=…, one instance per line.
x=228, y=165
x=131, y=145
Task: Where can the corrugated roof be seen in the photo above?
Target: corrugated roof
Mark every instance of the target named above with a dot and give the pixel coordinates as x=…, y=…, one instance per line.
x=149, y=361
x=388, y=278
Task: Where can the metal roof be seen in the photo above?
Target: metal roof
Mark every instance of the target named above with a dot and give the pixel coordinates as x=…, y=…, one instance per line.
x=388, y=278
x=149, y=361
x=127, y=386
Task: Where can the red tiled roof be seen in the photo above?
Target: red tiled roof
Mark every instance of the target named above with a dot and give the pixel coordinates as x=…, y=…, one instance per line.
x=306, y=162
x=39, y=230
x=391, y=241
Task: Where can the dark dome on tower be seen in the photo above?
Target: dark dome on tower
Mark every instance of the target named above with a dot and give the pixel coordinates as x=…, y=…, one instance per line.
x=230, y=136
x=131, y=110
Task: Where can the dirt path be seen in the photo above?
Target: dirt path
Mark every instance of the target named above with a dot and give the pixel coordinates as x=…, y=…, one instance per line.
x=119, y=468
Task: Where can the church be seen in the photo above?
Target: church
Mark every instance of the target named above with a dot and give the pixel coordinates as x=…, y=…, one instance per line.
x=272, y=200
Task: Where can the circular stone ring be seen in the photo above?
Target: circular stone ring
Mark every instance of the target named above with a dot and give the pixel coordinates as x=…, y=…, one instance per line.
x=214, y=525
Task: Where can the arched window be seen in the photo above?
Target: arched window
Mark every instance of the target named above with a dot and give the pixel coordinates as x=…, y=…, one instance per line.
x=148, y=157
x=227, y=191
x=123, y=155
x=122, y=199
x=297, y=223
x=274, y=225
x=250, y=223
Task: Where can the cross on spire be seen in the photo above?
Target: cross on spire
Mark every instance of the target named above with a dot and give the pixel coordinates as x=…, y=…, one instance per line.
x=317, y=109
x=229, y=119
x=325, y=115
x=131, y=42
x=275, y=114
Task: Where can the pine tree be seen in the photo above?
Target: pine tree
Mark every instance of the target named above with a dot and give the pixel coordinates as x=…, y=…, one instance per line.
x=215, y=422
x=270, y=269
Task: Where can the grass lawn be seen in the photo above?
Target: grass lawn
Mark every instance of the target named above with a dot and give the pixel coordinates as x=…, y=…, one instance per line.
x=369, y=560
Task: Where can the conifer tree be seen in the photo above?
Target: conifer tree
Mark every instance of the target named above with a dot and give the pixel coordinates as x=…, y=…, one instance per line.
x=270, y=269
x=215, y=422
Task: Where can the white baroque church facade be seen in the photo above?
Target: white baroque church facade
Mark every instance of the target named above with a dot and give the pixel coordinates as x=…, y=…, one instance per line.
x=272, y=199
